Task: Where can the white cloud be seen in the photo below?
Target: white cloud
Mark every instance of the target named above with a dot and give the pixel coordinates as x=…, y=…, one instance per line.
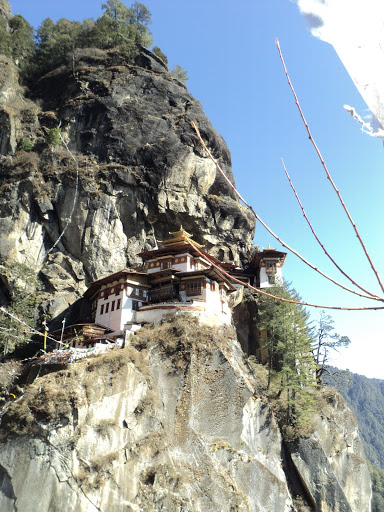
x=355, y=28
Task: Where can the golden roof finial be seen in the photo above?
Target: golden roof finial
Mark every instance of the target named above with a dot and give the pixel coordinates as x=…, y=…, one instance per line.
x=180, y=237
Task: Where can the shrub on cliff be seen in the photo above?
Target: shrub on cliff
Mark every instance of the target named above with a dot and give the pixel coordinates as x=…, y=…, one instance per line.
x=19, y=315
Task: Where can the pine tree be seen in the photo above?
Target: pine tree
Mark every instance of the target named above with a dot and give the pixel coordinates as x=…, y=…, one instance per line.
x=290, y=360
x=325, y=341
x=119, y=27
x=16, y=39
x=54, y=138
x=180, y=74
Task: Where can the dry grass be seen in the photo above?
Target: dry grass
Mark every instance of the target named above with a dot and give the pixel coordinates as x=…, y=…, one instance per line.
x=104, y=426
x=179, y=334
x=49, y=399
x=91, y=476
x=54, y=397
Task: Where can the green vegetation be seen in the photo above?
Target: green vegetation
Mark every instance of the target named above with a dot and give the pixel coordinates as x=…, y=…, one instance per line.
x=16, y=39
x=122, y=27
x=365, y=397
x=290, y=361
x=118, y=27
x=26, y=145
x=377, y=477
x=54, y=138
x=24, y=300
x=180, y=73
x=325, y=341
x=156, y=50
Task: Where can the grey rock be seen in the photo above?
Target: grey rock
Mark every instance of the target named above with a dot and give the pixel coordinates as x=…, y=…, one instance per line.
x=177, y=421
x=134, y=171
x=331, y=462
x=5, y=9
x=182, y=431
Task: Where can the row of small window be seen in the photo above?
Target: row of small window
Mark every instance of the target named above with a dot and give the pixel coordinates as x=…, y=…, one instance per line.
x=139, y=292
x=164, y=265
x=115, y=304
x=110, y=291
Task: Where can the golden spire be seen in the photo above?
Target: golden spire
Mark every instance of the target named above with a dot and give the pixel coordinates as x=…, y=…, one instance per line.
x=180, y=237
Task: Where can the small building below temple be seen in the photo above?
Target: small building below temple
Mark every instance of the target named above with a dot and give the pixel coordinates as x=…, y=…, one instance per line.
x=116, y=298
x=82, y=336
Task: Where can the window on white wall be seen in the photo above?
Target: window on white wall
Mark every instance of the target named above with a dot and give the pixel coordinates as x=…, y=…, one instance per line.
x=194, y=287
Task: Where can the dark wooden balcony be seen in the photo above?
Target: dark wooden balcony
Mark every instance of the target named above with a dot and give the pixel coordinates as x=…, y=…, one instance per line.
x=163, y=293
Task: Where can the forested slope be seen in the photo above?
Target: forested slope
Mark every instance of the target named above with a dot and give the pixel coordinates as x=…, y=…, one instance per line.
x=365, y=397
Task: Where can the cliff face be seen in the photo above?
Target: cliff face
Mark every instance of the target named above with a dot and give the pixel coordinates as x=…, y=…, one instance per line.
x=134, y=171
x=177, y=421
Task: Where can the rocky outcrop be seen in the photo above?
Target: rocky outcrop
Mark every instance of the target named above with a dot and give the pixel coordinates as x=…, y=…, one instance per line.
x=5, y=9
x=133, y=172
x=331, y=462
x=176, y=421
x=18, y=115
x=244, y=315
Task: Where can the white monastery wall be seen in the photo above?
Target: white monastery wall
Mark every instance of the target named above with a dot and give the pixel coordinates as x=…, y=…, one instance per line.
x=118, y=308
x=264, y=282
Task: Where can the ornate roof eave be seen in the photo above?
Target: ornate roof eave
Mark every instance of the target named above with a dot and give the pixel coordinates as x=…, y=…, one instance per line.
x=93, y=287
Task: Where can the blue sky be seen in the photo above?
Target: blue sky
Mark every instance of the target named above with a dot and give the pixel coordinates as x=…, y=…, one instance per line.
x=229, y=52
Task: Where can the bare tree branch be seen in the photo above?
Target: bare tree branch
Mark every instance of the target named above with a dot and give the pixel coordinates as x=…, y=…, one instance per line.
x=326, y=169
x=317, y=238
x=270, y=231
x=261, y=292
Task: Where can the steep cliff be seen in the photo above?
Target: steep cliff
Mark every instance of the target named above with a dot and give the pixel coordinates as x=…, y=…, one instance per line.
x=134, y=171
x=176, y=421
